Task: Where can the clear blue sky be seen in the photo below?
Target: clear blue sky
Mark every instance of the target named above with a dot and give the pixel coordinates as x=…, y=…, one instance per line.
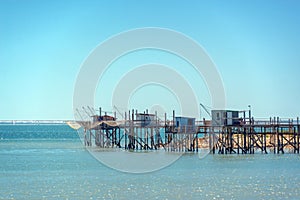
x=254, y=44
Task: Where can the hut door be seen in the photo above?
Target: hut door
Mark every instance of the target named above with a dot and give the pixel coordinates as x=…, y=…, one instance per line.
x=229, y=118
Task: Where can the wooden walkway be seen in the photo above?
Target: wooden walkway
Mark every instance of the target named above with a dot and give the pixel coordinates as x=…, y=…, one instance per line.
x=251, y=136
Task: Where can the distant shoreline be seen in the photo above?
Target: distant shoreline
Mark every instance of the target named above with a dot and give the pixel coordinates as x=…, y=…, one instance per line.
x=36, y=122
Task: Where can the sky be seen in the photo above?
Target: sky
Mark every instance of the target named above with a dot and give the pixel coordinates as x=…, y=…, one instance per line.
x=255, y=46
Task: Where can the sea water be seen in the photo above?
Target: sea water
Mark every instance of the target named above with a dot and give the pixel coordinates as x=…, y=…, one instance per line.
x=50, y=162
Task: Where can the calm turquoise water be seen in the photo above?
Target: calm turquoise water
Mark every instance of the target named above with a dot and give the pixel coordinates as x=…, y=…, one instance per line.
x=49, y=162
